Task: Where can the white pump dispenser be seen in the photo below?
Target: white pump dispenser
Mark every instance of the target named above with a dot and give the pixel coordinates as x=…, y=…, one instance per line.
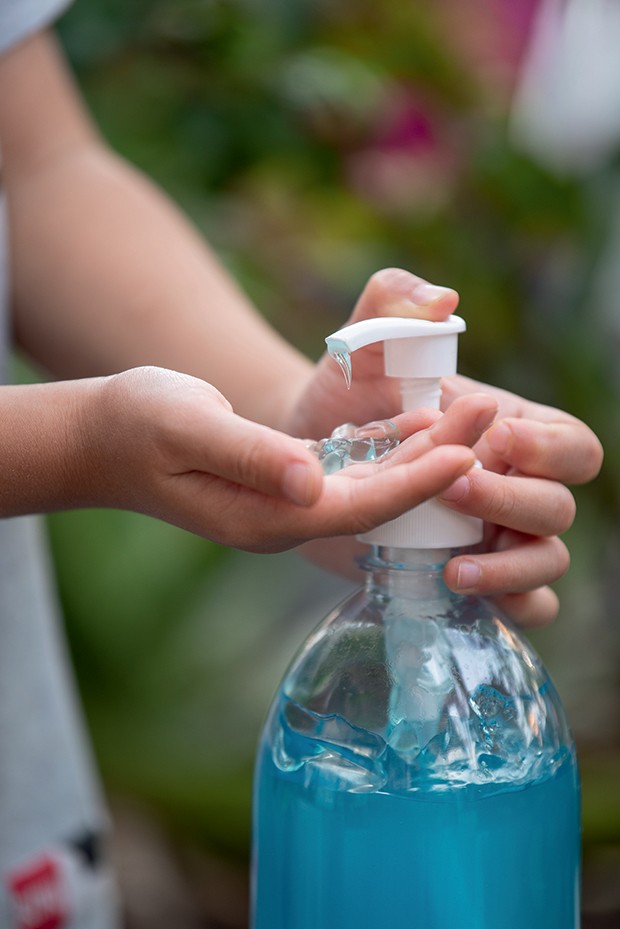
x=419, y=353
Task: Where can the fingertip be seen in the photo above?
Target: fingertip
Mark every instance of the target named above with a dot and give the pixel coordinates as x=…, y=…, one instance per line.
x=454, y=462
x=532, y=609
x=479, y=408
x=302, y=482
x=465, y=455
x=595, y=454
x=485, y=401
x=397, y=292
x=467, y=576
x=437, y=301
x=500, y=438
x=413, y=421
x=457, y=492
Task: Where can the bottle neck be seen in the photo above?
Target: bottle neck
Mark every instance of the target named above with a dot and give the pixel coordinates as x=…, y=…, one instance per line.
x=407, y=572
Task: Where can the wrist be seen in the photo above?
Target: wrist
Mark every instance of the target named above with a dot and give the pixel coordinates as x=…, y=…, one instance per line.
x=47, y=447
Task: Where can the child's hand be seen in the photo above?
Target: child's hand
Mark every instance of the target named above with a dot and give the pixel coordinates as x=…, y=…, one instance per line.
x=529, y=454
x=170, y=445
x=522, y=495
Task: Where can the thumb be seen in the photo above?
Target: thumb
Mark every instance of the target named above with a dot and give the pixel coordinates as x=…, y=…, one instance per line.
x=395, y=292
x=257, y=457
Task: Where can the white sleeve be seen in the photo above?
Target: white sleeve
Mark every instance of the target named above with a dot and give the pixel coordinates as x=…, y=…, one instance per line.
x=21, y=18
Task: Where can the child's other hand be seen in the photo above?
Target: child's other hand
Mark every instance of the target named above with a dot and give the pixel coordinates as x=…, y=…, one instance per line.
x=529, y=454
x=520, y=494
x=170, y=445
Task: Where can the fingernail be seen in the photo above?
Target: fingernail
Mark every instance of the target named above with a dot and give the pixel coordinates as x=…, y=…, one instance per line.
x=379, y=429
x=486, y=417
x=429, y=293
x=456, y=491
x=297, y=483
x=468, y=575
x=500, y=438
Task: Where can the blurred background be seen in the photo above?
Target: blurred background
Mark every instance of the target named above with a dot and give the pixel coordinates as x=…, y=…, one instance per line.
x=314, y=142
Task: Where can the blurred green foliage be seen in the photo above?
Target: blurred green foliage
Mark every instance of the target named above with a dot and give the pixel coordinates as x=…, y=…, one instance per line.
x=314, y=143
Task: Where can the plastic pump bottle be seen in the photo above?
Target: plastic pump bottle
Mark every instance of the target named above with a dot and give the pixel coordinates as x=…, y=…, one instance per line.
x=416, y=770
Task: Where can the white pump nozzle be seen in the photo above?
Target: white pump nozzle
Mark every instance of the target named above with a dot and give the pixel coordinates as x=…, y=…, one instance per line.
x=419, y=353
x=433, y=351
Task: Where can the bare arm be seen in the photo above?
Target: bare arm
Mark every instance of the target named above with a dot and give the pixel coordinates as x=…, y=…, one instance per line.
x=110, y=280
x=107, y=274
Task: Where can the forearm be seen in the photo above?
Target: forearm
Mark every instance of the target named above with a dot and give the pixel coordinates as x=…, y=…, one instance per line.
x=108, y=275
x=47, y=447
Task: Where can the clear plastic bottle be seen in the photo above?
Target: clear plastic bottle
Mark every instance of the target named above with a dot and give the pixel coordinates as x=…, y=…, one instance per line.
x=416, y=770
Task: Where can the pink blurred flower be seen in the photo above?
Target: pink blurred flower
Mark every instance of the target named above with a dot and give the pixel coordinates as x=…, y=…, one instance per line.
x=409, y=163
x=413, y=158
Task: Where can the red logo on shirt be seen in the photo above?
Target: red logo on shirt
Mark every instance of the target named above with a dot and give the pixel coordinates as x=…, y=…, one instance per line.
x=38, y=894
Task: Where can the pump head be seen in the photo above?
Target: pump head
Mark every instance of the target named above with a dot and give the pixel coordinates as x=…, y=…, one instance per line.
x=419, y=353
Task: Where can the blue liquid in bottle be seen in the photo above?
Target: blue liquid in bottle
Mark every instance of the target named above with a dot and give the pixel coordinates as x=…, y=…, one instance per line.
x=476, y=858
x=416, y=771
